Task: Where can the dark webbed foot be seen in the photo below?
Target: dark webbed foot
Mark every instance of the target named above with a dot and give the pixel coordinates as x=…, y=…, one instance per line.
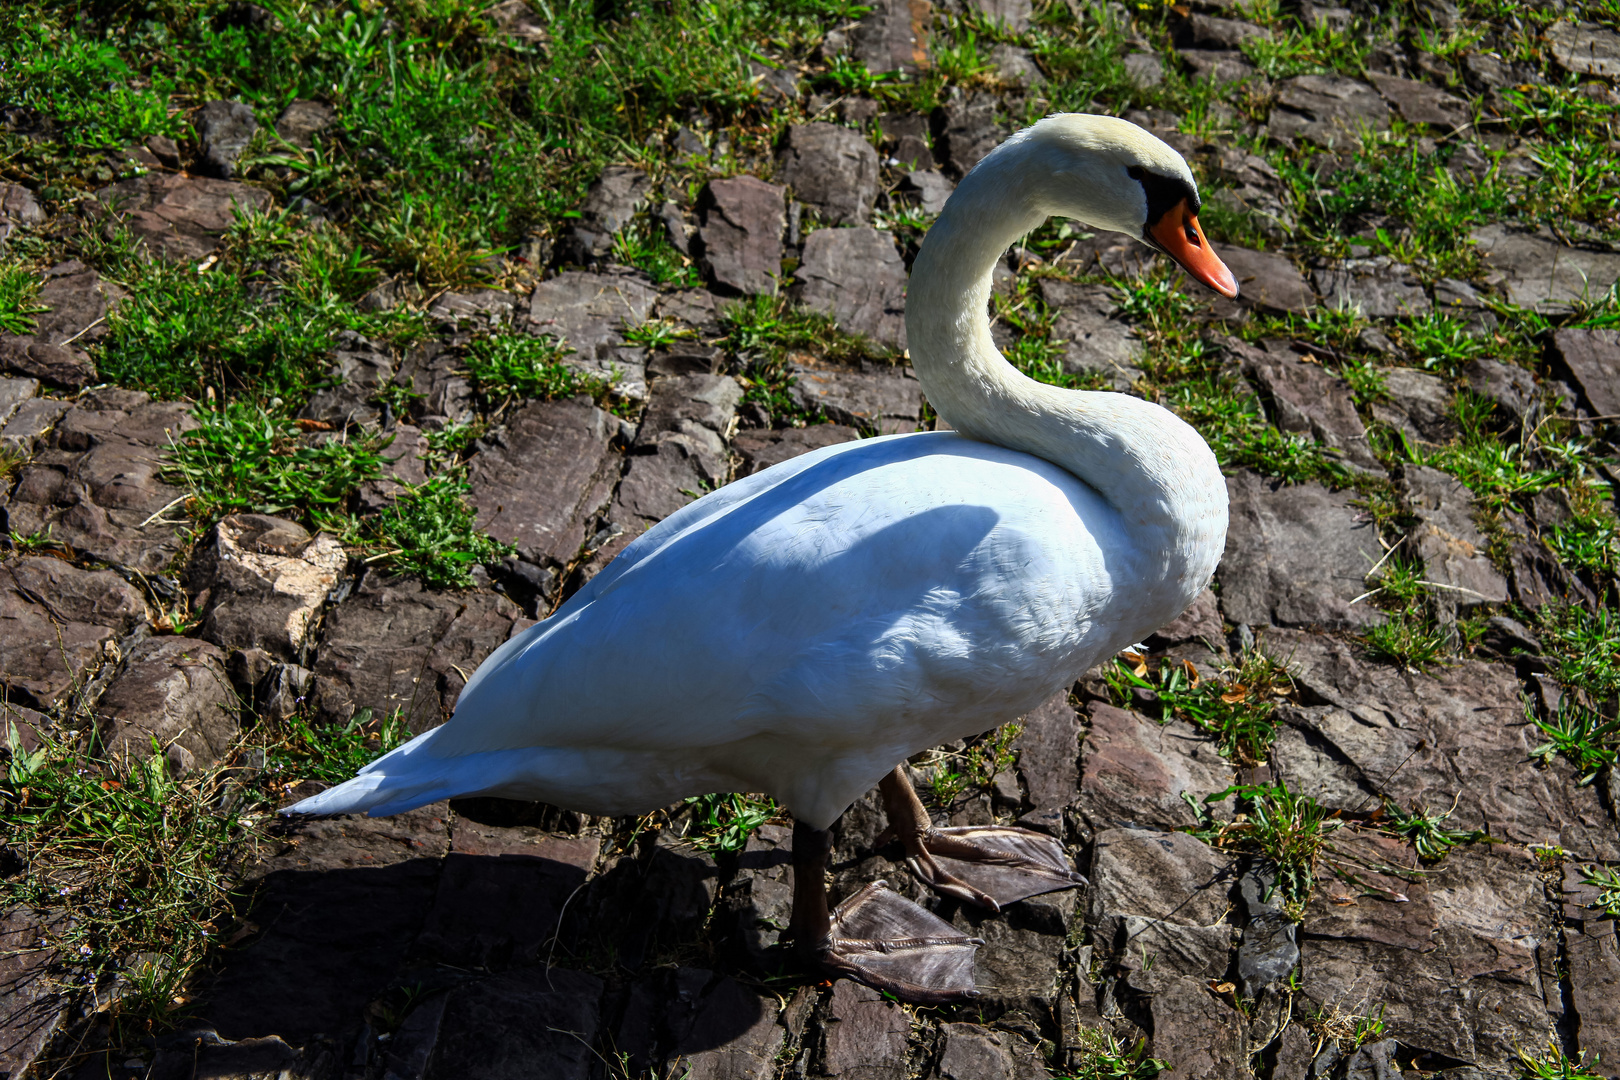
x=988, y=865
x=887, y=942
x=876, y=937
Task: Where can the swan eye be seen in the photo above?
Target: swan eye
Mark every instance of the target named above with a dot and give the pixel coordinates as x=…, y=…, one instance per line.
x=1192, y=234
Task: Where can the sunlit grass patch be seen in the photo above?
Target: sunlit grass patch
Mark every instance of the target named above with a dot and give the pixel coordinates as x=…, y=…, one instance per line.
x=1287, y=830
x=245, y=458
x=1236, y=707
x=724, y=822
x=431, y=531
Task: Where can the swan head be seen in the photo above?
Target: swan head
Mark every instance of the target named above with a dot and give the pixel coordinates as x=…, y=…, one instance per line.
x=1112, y=175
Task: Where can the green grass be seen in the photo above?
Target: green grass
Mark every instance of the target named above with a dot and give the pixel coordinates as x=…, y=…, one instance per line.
x=723, y=822
x=1554, y=1065
x=763, y=330
x=976, y=767
x=1431, y=837
x=645, y=245
x=1103, y=1057
x=135, y=860
x=517, y=367
x=1582, y=648
x=302, y=751
x=1590, y=742
x=430, y=531
x=1607, y=881
x=18, y=288
x=243, y=458
x=1236, y=708
x=1287, y=830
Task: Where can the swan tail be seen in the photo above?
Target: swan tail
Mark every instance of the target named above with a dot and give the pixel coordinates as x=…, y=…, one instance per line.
x=403, y=779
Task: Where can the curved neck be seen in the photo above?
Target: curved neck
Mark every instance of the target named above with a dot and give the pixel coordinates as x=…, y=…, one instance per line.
x=1149, y=465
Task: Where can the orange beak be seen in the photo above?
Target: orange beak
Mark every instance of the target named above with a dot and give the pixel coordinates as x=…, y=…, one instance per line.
x=1179, y=234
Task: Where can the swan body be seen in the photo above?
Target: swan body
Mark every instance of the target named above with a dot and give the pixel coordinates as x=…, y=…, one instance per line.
x=801, y=631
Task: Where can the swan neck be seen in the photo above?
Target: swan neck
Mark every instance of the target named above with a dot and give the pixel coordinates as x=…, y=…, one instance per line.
x=1149, y=465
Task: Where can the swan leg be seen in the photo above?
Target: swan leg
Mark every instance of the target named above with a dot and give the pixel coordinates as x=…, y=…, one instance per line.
x=988, y=865
x=876, y=937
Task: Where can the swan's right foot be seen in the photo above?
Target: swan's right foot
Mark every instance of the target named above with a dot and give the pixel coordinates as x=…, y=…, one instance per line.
x=885, y=941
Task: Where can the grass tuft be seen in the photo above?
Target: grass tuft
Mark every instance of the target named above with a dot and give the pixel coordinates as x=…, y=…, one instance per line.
x=432, y=532
x=244, y=458
x=135, y=859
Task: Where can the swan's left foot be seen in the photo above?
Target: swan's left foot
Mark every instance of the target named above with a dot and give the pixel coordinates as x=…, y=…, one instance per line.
x=988, y=865
x=876, y=937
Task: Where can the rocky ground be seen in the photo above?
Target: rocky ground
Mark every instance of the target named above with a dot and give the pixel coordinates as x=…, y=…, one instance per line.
x=1401, y=687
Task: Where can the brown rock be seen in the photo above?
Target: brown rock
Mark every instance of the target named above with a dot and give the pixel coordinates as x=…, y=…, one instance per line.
x=1268, y=280
x=171, y=698
x=1594, y=979
x=265, y=579
x=539, y=480
x=395, y=644
x=857, y=277
x=1308, y=399
x=340, y=901
x=864, y=1035
x=181, y=217
x=1458, y=734
x=886, y=401
x=1135, y=770
x=54, y=627
x=1593, y=359
x=832, y=169
x=1295, y=556
x=97, y=486
x=1200, y=1035
x=1478, y=993
x=739, y=240
x=761, y=449
x=34, y=1003
x=1048, y=752
x=53, y=364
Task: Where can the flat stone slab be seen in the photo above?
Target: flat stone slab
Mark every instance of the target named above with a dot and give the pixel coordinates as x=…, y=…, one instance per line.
x=1308, y=399
x=1135, y=770
x=1585, y=48
x=340, y=900
x=96, y=485
x=1093, y=339
x=1268, y=280
x=172, y=691
x=181, y=217
x=540, y=478
x=589, y=311
x=35, y=1003
x=1540, y=272
x=893, y=36
x=1472, y=990
x=1593, y=360
x=760, y=449
x=1419, y=405
x=1296, y=555
x=739, y=238
x=858, y=277
x=873, y=397
x=832, y=169
x=1455, y=737
x=1377, y=288
x=58, y=624
x=394, y=644
x=1421, y=102
x=1327, y=109
x=1048, y=763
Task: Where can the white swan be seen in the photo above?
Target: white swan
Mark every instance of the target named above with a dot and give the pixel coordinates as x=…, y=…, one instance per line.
x=802, y=631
